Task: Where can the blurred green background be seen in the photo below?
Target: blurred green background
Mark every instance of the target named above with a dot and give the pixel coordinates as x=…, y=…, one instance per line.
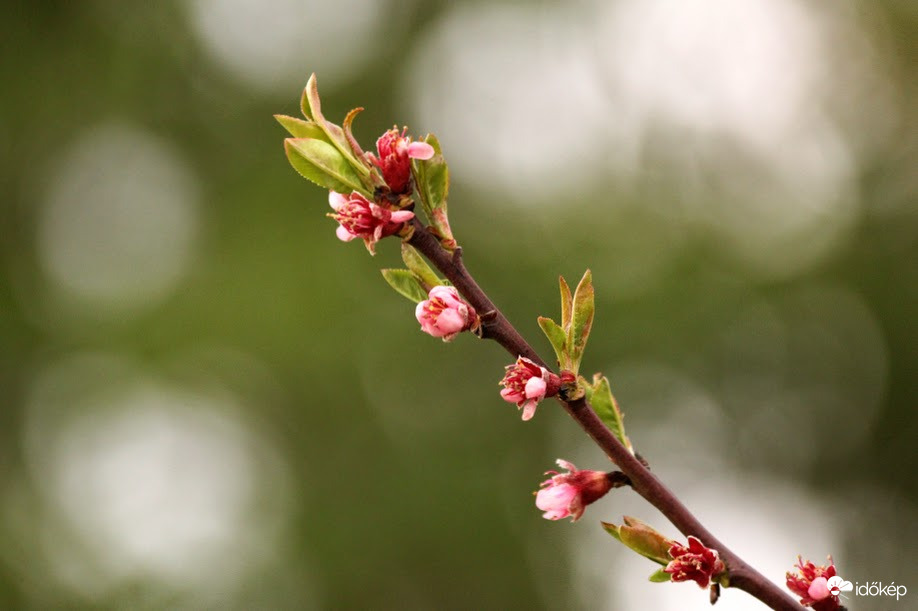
x=209, y=402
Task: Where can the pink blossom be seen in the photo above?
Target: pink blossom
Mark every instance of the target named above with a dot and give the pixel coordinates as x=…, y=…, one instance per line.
x=810, y=583
x=526, y=383
x=395, y=152
x=444, y=313
x=695, y=562
x=358, y=217
x=567, y=494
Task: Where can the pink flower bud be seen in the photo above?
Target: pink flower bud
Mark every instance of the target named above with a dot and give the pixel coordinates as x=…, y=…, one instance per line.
x=810, y=583
x=444, y=314
x=567, y=494
x=694, y=563
x=526, y=383
x=358, y=217
x=395, y=152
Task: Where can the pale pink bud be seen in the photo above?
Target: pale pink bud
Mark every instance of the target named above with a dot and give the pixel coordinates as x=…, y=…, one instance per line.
x=395, y=152
x=810, y=583
x=567, y=494
x=358, y=217
x=444, y=313
x=526, y=383
x=694, y=562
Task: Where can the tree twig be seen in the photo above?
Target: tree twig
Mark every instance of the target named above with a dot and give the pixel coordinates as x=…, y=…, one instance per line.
x=643, y=481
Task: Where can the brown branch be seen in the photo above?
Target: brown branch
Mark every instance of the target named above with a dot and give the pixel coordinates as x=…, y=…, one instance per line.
x=645, y=483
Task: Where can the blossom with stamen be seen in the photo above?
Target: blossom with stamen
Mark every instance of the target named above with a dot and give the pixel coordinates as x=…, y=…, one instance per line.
x=358, y=217
x=694, y=562
x=810, y=583
x=526, y=383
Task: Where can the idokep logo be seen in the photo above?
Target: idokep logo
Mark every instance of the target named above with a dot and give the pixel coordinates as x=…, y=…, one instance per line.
x=876, y=588
x=836, y=585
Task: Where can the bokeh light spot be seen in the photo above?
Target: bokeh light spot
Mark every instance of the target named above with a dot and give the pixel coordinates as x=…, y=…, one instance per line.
x=116, y=230
x=150, y=481
x=273, y=44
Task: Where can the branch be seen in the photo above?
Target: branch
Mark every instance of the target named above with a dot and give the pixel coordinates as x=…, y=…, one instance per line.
x=645, y=483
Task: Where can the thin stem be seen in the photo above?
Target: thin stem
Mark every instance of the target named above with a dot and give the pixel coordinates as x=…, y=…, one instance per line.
x=643, y=481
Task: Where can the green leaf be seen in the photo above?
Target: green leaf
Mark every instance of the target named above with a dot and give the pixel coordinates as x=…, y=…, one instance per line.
x=312, y=109
x=425, y=276
x=581, y=319
x=645, y=540
x=431, y=177
x=556, y=337
x=641, y=538
x=301, y=129
x=612, y=529
x=311, y=89
x=405, y=283
x=660, y=576
x=321, y=163
x=349, y=135
x=566, y=304
x=606, y=407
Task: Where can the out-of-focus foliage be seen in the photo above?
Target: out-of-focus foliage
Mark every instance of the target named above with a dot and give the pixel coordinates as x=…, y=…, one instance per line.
x=208, y=401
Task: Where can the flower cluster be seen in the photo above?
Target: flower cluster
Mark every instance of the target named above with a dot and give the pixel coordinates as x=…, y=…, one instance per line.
x=394, y=154
x=694, y=562
x=810, y=583
x=567, y=494
x=526, y=383
x=358, y=217
x=444, y=313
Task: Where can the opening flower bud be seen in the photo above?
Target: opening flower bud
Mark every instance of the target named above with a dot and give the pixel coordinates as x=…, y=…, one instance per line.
x=567, y=494
x=444, y=314
x=395, y=152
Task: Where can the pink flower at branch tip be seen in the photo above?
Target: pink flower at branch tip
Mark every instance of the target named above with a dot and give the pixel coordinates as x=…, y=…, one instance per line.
x=358, y=217
x=567, y=494
x=444, y=314
x=810, y=583
x=694, y=562
x=395, y=152
x=526, y=383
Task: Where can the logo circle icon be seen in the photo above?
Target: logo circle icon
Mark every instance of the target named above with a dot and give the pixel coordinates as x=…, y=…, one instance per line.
x=838, y=585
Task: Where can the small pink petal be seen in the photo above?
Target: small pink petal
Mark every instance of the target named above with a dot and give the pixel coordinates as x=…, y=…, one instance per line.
x=336, y=200
x=535, y=388
x=510, y=395
x=402, y=215
x=556, y=498
x=420, y=150
x=450, y=321
x=420, y=311
x=443, y=292
x=529, y=409
x=343, y=234
x=819, y=589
